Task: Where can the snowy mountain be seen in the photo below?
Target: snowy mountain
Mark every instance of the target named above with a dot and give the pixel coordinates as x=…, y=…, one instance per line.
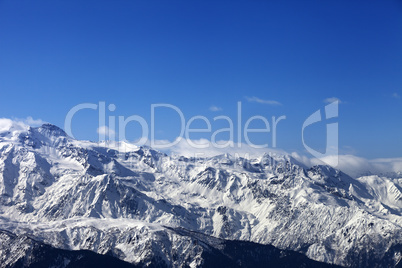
x=79, y=201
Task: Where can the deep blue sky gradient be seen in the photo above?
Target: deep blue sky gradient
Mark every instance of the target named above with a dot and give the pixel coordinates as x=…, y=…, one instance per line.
x=196, y=54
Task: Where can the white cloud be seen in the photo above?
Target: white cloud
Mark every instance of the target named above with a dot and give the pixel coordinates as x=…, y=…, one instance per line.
x=12, y=125
x=29, y=121
x=396, y=95
x=352, y=165
x=258, y=100
x=333, y=99
x=215, y=109
x=206, y=148
x=7, y=124
x=33, y=122
x=355, y=166
x=107, y=132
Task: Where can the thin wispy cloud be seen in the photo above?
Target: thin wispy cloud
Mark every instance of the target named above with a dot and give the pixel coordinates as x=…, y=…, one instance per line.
x=396, y=95
x=333, y=99
x=19, y=123
x=355, y=166
x=5, y=124
x=33, y=122
x=206, y=148
x=105, y=131
x=29, y=121
x=262, y=101
x=215, y=108
x=350, y=164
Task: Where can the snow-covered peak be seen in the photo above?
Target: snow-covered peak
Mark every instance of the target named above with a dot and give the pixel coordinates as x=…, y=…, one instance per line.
x=51, y=131
x=19, y=132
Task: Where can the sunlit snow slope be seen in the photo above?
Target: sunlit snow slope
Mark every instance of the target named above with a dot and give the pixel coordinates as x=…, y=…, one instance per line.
x=144, y=207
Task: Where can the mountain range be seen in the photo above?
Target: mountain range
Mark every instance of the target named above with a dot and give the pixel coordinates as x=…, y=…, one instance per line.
x=72, y=203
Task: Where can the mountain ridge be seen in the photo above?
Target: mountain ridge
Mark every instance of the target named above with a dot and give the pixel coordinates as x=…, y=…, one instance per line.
x=77, y=195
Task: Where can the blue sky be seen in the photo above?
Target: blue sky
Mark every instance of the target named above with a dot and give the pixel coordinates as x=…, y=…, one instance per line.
x=198, y=54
